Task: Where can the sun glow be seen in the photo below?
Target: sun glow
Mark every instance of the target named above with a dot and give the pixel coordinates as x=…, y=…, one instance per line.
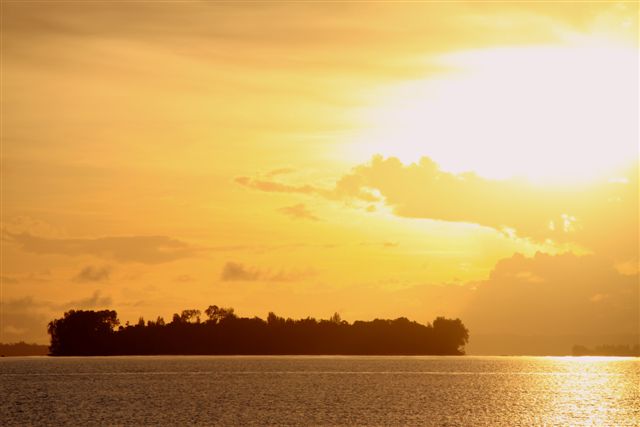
x=547, y=113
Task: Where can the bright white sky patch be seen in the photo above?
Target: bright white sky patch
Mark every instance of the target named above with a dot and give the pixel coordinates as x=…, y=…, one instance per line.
x=548, y=113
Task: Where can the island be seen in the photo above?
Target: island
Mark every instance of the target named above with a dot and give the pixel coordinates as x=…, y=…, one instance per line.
x=222, y=332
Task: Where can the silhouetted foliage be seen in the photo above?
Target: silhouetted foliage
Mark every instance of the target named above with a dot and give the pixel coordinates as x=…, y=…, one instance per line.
x=216, y=314
x=94, y=333
x=84, y=332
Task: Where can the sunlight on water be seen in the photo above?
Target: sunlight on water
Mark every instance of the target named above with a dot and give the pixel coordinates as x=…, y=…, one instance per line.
x=591, y=391
x=425, y=391
x=595, y=392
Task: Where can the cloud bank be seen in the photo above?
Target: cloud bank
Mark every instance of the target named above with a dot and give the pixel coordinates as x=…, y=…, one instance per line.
x=555, y=294
x=141, y=249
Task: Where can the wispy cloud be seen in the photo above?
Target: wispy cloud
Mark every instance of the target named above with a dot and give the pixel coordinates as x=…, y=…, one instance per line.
x=234, y=271
x=141, y=249
x=238, y=272
x=277, y=187
x=299, y=211
x=92, y=273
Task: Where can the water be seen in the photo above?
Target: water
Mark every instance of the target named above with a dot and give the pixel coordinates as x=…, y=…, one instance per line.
x=420, y=391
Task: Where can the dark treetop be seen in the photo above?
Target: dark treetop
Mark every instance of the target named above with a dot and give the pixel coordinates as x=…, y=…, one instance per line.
x=98, y=333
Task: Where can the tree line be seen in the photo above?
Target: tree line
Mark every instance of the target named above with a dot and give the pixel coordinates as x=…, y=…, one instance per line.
x=220, y=331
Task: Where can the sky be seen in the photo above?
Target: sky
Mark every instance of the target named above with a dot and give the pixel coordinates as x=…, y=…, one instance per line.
x=377, y=159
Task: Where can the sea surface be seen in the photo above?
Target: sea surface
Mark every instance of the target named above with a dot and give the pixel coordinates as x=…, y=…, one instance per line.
x=332, y=390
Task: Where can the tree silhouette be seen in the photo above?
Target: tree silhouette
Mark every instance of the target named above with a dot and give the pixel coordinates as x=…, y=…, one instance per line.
x=93, y=333
x=83, y=332
x=216, y=314
x=188, y=316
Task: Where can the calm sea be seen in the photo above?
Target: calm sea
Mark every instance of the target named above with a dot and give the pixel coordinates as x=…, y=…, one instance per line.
x=419, y=391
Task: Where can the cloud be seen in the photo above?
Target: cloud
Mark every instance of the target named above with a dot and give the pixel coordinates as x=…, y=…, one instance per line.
x=141, y=249
x=273, y=30
x=278, y=187
x=233, y=271
x=299, y=211
x=96, y=300
x=93, y=274
x=26, y=224
x=422, y=190
x=555, y=294
x=349, y=187
x=237, y=272
x=600, y=216
x=32, y=277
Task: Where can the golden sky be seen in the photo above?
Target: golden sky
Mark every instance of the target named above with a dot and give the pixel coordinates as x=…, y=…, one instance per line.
x=378, y=159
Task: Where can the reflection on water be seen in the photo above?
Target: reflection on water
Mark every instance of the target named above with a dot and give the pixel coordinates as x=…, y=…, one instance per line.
x=595, y=391
x=438, y=391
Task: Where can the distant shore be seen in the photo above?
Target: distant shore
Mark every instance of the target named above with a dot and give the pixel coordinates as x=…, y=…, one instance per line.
x=607, y=350
x=23, y=349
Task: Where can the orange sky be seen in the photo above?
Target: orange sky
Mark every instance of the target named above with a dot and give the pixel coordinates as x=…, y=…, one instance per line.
x=472, y=159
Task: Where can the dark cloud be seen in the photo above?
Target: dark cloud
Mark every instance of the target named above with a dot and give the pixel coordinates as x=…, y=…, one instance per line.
x=93, y=274
x=237, y=272
x=299, y=211
x=142, y=249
